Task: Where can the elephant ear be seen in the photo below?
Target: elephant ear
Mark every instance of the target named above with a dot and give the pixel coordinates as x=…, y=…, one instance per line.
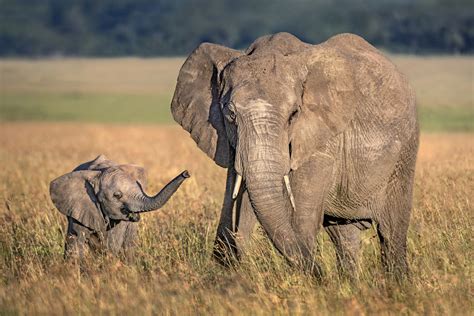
x=328, y=103
x=136, y=172
x=99, y=163
x=73, y=195
x=195, y=105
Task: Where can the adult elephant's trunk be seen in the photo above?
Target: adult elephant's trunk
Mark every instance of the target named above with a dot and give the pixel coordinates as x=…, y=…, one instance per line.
x=141, y=202
x=264, y=162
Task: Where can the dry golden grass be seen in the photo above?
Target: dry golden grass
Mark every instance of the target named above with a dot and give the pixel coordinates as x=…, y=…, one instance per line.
x=174, y=272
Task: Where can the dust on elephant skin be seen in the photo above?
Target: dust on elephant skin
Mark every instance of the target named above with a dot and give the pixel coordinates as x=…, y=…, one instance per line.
x=313, y=136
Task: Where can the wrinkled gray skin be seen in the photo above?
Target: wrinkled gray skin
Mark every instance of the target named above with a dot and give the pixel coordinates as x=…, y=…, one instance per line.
x=103, y=201
x=338, y=118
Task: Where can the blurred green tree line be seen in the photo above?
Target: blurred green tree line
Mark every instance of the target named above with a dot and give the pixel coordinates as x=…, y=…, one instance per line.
x=176, y=27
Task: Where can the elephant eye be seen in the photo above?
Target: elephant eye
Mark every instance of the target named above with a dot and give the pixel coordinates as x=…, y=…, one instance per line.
x=229, y=112
x=232, y=116
x=118, y=194
x=293, y=115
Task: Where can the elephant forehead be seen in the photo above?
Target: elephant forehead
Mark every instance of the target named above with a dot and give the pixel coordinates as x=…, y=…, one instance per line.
x=269, y=66
x=258, y=105
x=256, y=98
x=114, y=178
x=266, y=78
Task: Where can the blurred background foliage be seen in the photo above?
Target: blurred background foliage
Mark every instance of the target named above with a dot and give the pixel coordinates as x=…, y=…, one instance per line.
x=139, y=90
x=176, y=27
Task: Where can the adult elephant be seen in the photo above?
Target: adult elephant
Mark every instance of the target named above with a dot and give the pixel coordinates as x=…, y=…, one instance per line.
x=312, y=135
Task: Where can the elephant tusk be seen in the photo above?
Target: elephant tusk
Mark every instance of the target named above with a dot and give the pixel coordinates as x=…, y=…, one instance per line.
x=288, y=188
x=238, y=181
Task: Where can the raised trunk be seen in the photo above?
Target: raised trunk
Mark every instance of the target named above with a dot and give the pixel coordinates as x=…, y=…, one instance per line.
x=144, y=203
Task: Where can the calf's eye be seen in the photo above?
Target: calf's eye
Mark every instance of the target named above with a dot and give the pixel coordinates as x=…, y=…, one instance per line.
x=293, y=115
x=118, y=194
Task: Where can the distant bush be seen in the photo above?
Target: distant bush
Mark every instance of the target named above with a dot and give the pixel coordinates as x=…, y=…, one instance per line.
x=175, y=27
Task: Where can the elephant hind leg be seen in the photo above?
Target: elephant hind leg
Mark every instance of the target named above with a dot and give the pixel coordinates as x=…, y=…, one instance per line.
x=393, y=249
x=394, y=219
x=392, y=229
x=346, y=239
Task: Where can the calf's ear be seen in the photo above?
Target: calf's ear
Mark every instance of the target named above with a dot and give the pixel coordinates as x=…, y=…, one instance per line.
x=73, y=194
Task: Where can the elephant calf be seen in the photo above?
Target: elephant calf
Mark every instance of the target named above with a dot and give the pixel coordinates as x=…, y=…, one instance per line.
x=103, y=201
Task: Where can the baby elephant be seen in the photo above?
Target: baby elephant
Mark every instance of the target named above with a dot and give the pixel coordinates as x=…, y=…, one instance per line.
x=103, y=201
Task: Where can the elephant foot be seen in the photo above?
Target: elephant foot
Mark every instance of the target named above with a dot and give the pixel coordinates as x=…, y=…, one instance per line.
x=225, y=252
x=315, y=271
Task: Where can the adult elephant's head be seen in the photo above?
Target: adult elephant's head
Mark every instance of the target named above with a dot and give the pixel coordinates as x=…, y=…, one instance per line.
x=114, y=192
x=264, y=111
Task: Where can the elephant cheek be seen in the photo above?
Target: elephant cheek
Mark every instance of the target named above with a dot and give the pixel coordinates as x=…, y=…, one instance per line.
x=113, y=212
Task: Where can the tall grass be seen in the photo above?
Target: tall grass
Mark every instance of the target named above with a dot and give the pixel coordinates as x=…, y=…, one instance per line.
x=174, y=273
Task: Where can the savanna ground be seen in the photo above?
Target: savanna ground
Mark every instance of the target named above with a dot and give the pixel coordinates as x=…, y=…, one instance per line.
x=174, y=272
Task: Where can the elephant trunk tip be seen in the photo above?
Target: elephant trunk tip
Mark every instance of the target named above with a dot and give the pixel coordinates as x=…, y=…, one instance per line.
x=147, y=203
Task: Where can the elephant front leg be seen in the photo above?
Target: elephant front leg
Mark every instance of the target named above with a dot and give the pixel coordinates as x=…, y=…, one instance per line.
x=234, y=232
x=310, y=184
x=225, y=244
x=244, y=223
x=76, y=240
x=130, y=242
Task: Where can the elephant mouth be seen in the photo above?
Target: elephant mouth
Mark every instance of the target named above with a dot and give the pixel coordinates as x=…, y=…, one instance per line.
x=130, y=216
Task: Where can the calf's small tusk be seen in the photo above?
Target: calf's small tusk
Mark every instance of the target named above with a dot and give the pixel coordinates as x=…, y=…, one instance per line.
x=288, y=188
x=238, y=181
